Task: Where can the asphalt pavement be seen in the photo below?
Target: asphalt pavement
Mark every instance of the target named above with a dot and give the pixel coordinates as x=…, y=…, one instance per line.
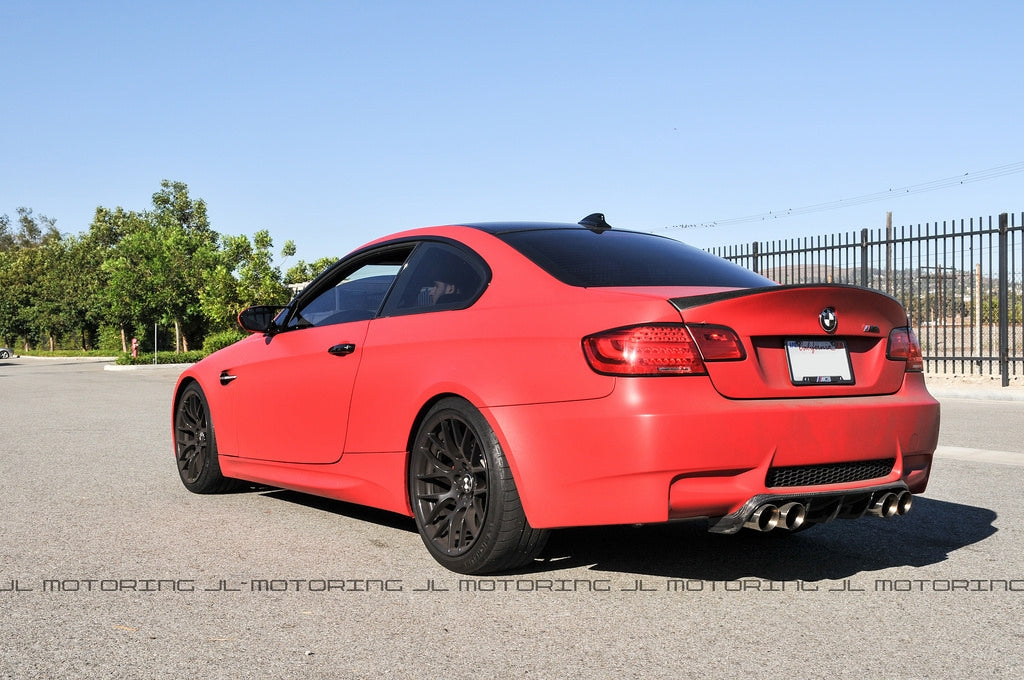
x=109, y=568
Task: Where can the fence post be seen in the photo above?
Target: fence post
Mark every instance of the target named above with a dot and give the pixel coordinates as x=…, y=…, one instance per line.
x=1004, y=300
x=754, y=250
x=864, y=256
x=979, y=316
x=889, y=287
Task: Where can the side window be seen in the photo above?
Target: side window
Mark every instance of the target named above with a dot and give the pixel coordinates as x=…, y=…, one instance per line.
x=357, y=294
x=440, y=276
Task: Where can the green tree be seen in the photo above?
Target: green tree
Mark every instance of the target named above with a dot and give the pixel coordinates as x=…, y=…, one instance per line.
x=15, y=287
x=30, y=304
x=259, y=281
x=304, y=272
x=130, y=298
x=245, y=275
x=6, y=237
x=82, y=285
x=131, y=269
x=189, y=250
x=158, y=262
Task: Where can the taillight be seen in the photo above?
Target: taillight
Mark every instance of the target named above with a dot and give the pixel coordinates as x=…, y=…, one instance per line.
x=903, y=346
x=717, y=343
x=655, y=349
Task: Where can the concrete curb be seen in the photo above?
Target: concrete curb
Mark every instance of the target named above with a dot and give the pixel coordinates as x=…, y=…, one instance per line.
x=109, y=361
x=83, y=360
x=997, y=394
x=145, y=367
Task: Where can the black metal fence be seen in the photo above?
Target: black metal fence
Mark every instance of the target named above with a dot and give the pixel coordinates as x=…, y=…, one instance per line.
x=960, y=281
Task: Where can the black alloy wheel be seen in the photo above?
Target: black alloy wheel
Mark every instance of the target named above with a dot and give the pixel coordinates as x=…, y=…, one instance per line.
x=464, y=499
x=195, y=446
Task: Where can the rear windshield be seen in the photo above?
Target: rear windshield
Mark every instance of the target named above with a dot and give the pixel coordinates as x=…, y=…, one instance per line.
x=581, y=257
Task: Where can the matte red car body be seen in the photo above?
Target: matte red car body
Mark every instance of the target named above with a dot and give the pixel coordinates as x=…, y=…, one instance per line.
x=584, y=448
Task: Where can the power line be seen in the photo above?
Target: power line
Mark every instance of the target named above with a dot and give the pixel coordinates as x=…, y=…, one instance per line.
x=934, y=185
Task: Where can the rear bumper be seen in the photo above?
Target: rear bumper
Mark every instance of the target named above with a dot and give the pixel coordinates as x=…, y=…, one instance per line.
x=658, y=449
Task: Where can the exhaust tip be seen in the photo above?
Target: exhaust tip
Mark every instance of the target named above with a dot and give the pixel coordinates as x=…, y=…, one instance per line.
x=886, y=505
x=904, y=501
x=792, y=516
x=765, y=518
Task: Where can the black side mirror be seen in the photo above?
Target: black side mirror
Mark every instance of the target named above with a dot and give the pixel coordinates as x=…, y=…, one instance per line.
x=259, y=319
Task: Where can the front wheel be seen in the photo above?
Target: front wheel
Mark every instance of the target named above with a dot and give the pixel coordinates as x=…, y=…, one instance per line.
x=4, y=354
x=195, y=446
x=463, y=496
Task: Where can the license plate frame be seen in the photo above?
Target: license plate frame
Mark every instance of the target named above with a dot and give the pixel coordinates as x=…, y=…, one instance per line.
x=819, y=361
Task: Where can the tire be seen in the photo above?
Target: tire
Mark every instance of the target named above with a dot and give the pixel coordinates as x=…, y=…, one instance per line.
x=195, y=446
x=4, y=354
x=463, y=496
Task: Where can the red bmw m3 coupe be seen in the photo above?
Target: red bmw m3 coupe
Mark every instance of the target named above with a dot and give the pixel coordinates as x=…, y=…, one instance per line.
x=495, y=381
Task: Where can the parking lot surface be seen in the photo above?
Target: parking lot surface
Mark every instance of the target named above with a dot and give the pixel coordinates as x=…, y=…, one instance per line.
x=110, y=568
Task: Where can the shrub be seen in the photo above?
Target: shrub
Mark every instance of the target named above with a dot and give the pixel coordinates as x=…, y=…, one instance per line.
x=216, y=341
x=109, y=339
x=161, y=358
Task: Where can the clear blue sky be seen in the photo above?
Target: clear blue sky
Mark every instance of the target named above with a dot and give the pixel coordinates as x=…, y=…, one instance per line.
x=331, y=123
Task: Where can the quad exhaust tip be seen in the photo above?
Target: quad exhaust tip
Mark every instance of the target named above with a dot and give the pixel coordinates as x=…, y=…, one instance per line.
x=766, y=517
x=892, y=504
x=791, y=516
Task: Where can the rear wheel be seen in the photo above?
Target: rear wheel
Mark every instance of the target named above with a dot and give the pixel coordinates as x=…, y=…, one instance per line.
x=463, y=496
x=195, y=445
x=4, y=354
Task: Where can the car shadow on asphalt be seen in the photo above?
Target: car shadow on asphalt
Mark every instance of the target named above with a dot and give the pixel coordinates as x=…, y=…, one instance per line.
x=840, y=549
x=686, y=550
x=357, y=512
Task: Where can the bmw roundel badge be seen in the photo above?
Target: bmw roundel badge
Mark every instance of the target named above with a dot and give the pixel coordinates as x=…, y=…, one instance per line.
x=828, y=320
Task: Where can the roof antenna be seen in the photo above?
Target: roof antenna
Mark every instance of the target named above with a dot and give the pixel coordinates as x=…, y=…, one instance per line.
x=595, y=222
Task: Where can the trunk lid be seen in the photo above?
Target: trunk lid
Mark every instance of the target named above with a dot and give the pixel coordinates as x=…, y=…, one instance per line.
x=802, y=340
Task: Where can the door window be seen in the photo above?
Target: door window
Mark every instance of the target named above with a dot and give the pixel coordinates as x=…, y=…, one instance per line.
x=353, y=293
x=439, y=276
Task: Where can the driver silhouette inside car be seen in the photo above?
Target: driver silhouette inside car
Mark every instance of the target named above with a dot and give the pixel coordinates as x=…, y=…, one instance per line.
x=442, y=292
x=445, y=279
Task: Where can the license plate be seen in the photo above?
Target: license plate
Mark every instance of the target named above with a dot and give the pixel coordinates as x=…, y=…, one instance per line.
x=819, y=362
